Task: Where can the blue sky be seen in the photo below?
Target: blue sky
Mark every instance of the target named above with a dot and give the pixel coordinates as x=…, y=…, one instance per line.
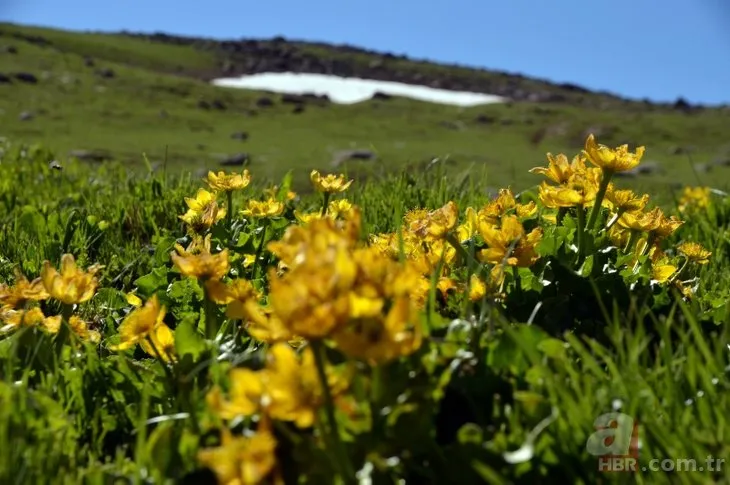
x=659, y=49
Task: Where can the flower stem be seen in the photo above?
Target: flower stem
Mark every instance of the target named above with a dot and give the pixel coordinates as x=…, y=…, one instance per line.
x=325, y=202
x=599, y=198
x=343, y=460
x=260, y=249
x=211, y=323
x=229, y=214
x=64, y=333
x=581, y=234
x=468, y=258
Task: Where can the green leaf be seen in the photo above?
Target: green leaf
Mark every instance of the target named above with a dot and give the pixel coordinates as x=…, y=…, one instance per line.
x=151, y=282
x=188, y=340
x=553, y=348
x=112, y=299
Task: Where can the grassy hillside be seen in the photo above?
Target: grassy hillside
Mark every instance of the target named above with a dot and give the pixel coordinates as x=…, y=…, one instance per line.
x=133, y=95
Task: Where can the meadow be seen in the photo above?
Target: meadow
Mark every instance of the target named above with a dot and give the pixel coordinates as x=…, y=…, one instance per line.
x=123, y=96
x=491, y=299
x=163, y=328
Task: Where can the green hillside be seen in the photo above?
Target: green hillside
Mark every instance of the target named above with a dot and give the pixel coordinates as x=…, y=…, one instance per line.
x=126, y=96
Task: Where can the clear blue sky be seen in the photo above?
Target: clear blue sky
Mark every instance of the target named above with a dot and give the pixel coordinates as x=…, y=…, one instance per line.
x=660, y=49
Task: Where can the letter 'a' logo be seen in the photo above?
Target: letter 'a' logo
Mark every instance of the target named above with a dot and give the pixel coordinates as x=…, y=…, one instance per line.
x=616, y=435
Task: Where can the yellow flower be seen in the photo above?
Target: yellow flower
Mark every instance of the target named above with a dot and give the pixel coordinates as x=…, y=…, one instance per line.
x=555, y=197
x=292, y=389
x=525, y=211
x=311, y=299
x=468, y=229
x=624, y=200
x=203, y=211
x=375, y=339
x=145, y=326
x=509, y=244
x=438, y=223
x=244, y=395
x=71, y=285
x=662, y=271
x=228, y=182
x=695, y=252
x=203, y=266
x=242, y=460
x=612, y=160
x=330, y=183
x=477, y=288
x=695, y=197
x=81, y=329
x=641, y=221
x=559, y=170
x=22, y=291
x=444, y=285
x=265, y=208
x=341, y=208
x=133, y=299
x=667, y=225
x=15, y=319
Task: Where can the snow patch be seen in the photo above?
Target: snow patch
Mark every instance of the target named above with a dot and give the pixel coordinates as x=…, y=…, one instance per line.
x=352, y=90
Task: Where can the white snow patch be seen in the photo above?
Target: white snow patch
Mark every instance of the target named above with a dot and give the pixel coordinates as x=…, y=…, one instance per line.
x=352, y=90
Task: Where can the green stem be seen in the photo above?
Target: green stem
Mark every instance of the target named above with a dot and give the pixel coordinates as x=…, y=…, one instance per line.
x=679, y=271
x=229, y=214
x=632, y=240
x=581, y=234
x=211, y=322
x=614, y=219
x=607, y=174
x=260, y=249
x=468, y=258
x=343, y=460
x=518, y=280
x=64, y=332
x=325, y=203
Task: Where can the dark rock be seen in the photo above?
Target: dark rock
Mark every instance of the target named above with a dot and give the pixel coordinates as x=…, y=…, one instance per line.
x=239, y=135
x=381, y=96
x=346, y=155
x=10, y=49
x=218, y=104
x=105, y=73
x=293, y=99
x=682, y=104
x=298, y=109
x=648, y=167
x=235, y=160
x=573, y=88
x=89, y=62
x=264, y=102
x=4, y=79
x=485, y=119
x=90, y=155
x=26, y=77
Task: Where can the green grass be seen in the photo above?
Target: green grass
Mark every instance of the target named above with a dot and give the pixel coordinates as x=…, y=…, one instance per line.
x=75, y=109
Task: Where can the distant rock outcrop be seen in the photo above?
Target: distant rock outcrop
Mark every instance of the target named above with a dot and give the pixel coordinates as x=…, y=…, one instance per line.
x=246, y=57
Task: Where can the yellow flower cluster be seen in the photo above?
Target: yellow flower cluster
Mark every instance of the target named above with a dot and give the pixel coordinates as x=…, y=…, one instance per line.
x=70, y=286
